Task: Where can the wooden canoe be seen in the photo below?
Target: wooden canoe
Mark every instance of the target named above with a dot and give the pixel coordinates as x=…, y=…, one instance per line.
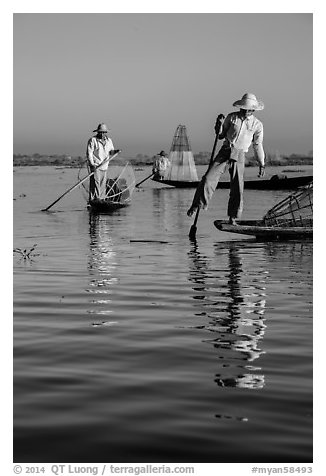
x=274, y=183
x=261, y=231
x=105, y=206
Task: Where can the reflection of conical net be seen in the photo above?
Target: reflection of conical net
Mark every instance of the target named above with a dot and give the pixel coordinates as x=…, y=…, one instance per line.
x=295, y=210
x=181, y=157
x=120, y=183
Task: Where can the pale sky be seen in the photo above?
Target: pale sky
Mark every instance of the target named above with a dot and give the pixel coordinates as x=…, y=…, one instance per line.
x=143, y=74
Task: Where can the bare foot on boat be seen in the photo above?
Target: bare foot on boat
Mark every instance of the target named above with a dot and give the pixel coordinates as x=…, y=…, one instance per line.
x=232, y=221
x=191, y=211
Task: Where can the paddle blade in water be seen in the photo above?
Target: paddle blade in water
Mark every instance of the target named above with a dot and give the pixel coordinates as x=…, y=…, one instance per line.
x=192, y=232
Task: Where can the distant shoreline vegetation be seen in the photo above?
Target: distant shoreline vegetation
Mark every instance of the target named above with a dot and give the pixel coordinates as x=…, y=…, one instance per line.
x=202, y=158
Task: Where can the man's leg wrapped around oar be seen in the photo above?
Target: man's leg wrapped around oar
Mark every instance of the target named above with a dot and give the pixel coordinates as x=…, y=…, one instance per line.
x=209, y=181
x=207, y=186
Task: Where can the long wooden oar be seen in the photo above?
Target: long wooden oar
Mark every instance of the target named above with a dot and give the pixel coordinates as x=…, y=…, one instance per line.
x=193, y=229
x=139, y=183
x=80, y=182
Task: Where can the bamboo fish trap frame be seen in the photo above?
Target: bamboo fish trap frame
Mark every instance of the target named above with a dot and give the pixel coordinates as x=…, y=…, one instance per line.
x=183, y=166
x=120, y=184
x=292, y=218
x=294, y=211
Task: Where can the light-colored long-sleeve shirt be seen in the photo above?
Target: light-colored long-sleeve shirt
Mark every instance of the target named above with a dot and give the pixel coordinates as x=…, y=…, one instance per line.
x=161, y=164
x=241, y=133
x=99, y=150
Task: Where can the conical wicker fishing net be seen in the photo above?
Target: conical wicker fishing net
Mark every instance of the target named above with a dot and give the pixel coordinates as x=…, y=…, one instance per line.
x=183, y=166
x=295, y=210
x=120, y=184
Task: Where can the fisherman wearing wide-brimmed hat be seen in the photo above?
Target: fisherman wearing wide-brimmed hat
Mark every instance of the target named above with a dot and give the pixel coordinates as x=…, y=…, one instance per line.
x=99, y=149
x=240, y=130
x=160, y=165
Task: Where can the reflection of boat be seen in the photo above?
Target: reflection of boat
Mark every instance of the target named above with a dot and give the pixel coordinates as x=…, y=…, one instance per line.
x=276, y=182
x=292, y=218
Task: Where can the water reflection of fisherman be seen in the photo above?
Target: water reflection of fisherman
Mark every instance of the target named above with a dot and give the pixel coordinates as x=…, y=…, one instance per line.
x=102, y=263
x=199, y=272
x=235, y=267
x=233, y=323
x=243, y=305
x=241, y=309
x=160, y=165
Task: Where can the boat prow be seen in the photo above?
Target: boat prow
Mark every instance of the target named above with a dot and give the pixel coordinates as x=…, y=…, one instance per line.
x=258, y=229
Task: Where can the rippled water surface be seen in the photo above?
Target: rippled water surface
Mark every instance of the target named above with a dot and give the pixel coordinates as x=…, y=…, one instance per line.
x=133, y=344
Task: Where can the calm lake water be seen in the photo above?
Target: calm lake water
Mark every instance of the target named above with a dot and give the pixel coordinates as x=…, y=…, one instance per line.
x=157, y=351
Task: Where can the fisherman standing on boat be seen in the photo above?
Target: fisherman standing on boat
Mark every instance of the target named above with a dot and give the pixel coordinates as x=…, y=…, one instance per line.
x=239, y=130
x=99, y=149
x=160, y=166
